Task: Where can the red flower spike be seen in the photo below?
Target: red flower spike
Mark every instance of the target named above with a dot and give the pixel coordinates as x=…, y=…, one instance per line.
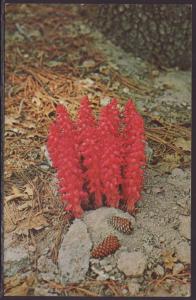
x=108, y=131
x=98, y=158
x=89, y=149
x=134, y=158
x=61, y=146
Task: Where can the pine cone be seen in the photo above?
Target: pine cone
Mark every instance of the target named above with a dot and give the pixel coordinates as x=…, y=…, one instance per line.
x=121, y=224
x=108, y=246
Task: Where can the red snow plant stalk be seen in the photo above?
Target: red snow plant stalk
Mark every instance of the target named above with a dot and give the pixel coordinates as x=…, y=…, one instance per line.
x=98, y=162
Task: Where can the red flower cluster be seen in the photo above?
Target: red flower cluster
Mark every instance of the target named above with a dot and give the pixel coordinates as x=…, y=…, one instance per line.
x=98, y=162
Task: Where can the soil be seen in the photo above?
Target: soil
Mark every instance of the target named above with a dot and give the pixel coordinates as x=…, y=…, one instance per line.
x=85, y=62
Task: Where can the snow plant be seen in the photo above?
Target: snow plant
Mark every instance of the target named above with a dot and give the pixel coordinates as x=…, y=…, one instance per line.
x=98, y=162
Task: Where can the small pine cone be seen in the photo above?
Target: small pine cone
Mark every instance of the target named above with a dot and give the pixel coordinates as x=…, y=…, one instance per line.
x=121, y=224
x=108, y=246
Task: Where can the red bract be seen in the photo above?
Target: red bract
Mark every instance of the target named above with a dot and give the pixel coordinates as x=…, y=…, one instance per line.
x=90, y=150
x=109, y=135
x=134, y=158
x=95, y=159
x=62, y=147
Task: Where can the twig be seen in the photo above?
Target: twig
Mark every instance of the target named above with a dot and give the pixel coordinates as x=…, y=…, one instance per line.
x=157, y=282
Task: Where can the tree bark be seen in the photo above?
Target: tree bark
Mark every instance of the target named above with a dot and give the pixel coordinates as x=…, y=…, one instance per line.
x=159, y=33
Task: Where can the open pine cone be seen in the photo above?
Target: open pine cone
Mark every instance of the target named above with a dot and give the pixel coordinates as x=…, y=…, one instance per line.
x=121, y=224
x=108, y=246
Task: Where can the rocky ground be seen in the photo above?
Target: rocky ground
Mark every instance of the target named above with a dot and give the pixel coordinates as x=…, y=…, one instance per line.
x=154, y=260
x=158, y=246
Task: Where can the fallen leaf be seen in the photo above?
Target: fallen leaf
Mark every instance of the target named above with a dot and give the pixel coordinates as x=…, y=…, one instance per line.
x=35, y=222
x=169, y=259
x=14, y=129
x=14, y=196
x=20, y=290
x=15, y=190
x=35, y=33
x=54, y=63
x=37, y=101
x=15, y=287
x=27, y=204
x=29, y=125
x=182, y=143
x=170, y=162
x=9, y=227
x=28, y=190
x=10, y=282
x=10, y=121
x=55, y=285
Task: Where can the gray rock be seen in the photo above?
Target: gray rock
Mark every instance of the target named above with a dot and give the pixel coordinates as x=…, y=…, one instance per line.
x=132, y=263
x=108, y=268
x=48, y=276
x=177, y=173
x=88, y=63
x=94, y=261
x=74, y=253
x=126, y=90
x=102, y=277
x=185, y=226
x=97, y=271
x=178, y=268
x=105, y=101
x=15, y=260
x=133, y=287
x=149, y=266
x=159, y=270
x=8, y=240
x=104, y=262
x=183, y=252
x=99, y=227
x=125, y=292
x=45, y=265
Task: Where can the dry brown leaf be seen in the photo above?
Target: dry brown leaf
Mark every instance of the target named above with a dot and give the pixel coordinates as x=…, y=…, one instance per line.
x=12, y=197
x=28, y=190
x=16, y=194
x=29, y=125
x=55, y=285
x=10, y=120
x=27, y=204
x=14, y=287
x=35, y=222
x=37, y=99
x=182, y=143
x=15, y=190
x=170, y=162
x=169, y=259
x=9, y=227
x=16, y=130
x=20, y=290
x=10, y=282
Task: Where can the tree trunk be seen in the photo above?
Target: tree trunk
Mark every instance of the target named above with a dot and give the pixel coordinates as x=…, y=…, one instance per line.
x=159, y=33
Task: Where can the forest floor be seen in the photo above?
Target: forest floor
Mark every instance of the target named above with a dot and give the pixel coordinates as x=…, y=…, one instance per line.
x=52, y=57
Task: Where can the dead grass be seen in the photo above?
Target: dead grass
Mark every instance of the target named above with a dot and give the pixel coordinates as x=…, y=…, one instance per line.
x=32, y=90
